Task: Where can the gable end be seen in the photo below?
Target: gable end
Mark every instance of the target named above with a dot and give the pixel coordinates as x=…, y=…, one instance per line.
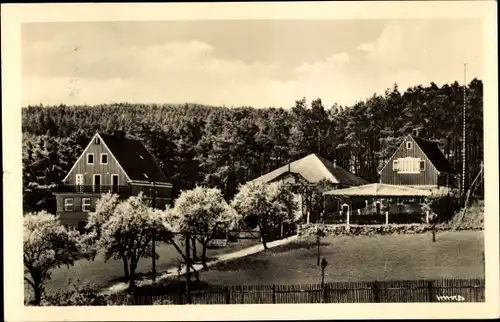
x=110, y=154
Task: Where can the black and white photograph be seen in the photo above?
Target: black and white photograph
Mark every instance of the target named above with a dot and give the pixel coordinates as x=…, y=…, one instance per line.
x=186, y=162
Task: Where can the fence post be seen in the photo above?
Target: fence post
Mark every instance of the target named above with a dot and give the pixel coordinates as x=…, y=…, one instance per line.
x=430, y=291
x=228, y=297
x=274, y=294
x=325, y=293
x=376, y=291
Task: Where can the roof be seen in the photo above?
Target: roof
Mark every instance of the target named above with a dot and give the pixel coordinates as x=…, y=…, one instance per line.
x=380, y=190
x=435, y=155
x=314, y=168
x=135, y=160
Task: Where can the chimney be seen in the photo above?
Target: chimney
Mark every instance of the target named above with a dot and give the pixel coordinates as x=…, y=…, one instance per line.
x=334, y=163
x=120, y=134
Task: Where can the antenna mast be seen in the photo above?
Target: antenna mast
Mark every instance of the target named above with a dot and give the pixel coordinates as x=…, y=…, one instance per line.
x=463, y=140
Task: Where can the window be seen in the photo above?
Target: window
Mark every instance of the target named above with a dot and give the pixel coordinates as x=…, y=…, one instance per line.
x=68, y=204
x=90, y=158
x=104, y=158
x=97, y=140
x=408, y=145
x=422, y=165
x=408, y=165
x=86, y=202
x=394, y=165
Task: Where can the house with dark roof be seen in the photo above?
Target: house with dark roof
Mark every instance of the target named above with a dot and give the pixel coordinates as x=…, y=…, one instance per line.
x=109, y=163
x=307, y=172
x=419, y=163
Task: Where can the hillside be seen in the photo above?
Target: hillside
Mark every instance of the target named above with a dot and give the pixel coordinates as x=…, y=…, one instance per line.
x=473, y=218
x=224, y=147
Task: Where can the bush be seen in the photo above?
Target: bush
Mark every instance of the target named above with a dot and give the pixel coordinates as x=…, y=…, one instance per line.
x=85, y=295
x=368, y=230
x=443, y=206
x=76, y=295
x=162, y=301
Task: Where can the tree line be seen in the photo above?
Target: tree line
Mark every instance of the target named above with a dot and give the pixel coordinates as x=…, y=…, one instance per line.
x=224, y=147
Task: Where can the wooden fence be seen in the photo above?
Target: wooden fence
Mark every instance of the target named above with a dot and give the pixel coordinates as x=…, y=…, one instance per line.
x=405, y=291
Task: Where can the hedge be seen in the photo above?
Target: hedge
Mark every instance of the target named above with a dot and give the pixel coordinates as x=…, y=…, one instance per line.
x=370, y=230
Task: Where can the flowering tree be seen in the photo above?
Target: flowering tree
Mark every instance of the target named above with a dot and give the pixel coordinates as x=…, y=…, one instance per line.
x=127, y=231
x=47, y=245
x=203, y=213
x=266, y=205
x=105, y=207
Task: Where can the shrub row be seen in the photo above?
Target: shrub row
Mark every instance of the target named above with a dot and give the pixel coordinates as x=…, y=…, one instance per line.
x=87, y=295
x=369, y=230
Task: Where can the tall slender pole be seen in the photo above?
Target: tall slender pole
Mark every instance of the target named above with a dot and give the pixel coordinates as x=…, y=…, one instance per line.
x=463, y=140
x=317, y=242
x=188, y=262
x=153, y=249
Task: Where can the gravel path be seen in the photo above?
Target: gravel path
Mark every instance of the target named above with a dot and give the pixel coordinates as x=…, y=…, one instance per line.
x=220, y=258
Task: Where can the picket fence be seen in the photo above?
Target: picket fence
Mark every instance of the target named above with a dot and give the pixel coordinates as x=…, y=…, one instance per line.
x=403, y=291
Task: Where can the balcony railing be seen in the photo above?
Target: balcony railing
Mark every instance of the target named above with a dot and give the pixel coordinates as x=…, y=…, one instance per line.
x=124, y=190
x=94, y=189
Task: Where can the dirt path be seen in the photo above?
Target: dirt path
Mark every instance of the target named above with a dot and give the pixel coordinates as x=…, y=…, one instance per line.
x=220, y=258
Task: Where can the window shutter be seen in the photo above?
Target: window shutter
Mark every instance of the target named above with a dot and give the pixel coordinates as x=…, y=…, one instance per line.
x=416, y=164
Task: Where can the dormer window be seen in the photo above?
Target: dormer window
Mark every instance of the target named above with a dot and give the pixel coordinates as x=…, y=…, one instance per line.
x=97, y=140
x=408, y=145
x=90, y=158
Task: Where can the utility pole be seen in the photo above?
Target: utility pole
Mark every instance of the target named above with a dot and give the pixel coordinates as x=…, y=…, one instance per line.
x=463, y=139
x=318, y=244
x=188, y=262
x=153, y=248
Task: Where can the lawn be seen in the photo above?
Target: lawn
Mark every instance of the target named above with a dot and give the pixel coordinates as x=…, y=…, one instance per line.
x=104, y=274
x=360, y=258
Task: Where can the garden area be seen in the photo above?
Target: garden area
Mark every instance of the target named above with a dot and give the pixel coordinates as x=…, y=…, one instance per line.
x=359, y=258
x=103, y=274
x=117, y=246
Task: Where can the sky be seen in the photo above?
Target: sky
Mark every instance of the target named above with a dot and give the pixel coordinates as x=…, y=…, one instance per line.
x=259, y=63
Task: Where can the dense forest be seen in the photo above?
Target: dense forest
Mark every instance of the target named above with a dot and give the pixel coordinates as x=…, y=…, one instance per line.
x=223, y=147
